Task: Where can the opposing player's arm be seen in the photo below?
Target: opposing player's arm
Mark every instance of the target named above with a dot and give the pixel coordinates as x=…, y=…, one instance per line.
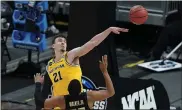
x=103, y=94
x=46, y=89
x=95, y=41
x=39, y=100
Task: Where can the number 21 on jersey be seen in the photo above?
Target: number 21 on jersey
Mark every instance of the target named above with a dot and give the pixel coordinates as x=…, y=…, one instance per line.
x=57, y=76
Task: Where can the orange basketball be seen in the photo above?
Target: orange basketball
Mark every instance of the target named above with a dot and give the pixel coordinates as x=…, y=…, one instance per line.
x=138, y=15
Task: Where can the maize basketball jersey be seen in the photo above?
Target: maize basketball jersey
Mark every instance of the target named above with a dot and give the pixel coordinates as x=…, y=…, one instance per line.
x=61, y=73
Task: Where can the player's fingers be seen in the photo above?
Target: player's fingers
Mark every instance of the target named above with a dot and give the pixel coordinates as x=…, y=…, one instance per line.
x=116, y=31
x=103, y=60
x=34, y=77
x=105, y=57
x=123, y=29
x=120, y=29
x=42, y=77
x=100, y=63
x=37, y=74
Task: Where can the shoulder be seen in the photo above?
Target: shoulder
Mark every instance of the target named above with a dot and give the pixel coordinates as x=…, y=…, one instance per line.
x=83, y=94
x=73, y=52
x=50, y=62
x=57, y=100
x=90, y=93
x=66, y=53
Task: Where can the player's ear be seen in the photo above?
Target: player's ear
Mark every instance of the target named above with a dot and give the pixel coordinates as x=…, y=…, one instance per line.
x=53, y=46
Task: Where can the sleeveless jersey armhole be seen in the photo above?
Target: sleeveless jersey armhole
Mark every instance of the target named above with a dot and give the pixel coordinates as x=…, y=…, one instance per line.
x=65, y=57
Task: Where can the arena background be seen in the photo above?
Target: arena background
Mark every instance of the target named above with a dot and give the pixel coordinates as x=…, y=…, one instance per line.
x=17, y=82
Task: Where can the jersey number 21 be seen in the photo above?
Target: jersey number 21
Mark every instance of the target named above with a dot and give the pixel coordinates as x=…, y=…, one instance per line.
x=57, y=76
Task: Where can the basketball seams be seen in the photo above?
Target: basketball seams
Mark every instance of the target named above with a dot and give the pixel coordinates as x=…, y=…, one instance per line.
x=137, y=11
x=133, y=10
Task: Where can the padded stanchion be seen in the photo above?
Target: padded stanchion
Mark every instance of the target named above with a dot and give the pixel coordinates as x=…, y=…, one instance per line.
x=86, y=20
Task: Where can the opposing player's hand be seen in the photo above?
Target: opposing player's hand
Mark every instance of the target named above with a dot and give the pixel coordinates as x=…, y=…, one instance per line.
x=39, y=78
x=117, y=30
x=103, y=64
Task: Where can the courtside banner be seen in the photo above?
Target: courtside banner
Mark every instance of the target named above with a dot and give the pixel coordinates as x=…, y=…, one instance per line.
x=130, y=94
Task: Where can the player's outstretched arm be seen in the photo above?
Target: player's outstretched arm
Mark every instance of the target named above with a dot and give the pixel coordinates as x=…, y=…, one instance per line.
x=103, y=94
x=95, y=41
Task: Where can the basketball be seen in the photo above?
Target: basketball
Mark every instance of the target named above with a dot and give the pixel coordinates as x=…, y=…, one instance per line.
x=138, y=15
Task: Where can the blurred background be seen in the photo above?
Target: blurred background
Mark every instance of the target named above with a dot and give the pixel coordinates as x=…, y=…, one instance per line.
x=130, y=47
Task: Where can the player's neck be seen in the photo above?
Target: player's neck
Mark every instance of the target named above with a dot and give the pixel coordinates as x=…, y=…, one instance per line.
x=58, y=56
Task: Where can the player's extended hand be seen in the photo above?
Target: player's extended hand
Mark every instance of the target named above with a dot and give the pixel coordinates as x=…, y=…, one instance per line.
x=103, y=64
x=39, y=78
x=117, y=30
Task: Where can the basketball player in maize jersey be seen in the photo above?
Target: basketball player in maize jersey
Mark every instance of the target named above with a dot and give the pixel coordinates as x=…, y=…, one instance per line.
x=76, y=99
x=65, y=67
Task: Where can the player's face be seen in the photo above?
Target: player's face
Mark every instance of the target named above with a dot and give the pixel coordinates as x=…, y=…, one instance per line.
x=60, y=44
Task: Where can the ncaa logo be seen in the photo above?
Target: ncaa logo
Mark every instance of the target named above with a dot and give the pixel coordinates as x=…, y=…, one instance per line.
x=89, y=85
